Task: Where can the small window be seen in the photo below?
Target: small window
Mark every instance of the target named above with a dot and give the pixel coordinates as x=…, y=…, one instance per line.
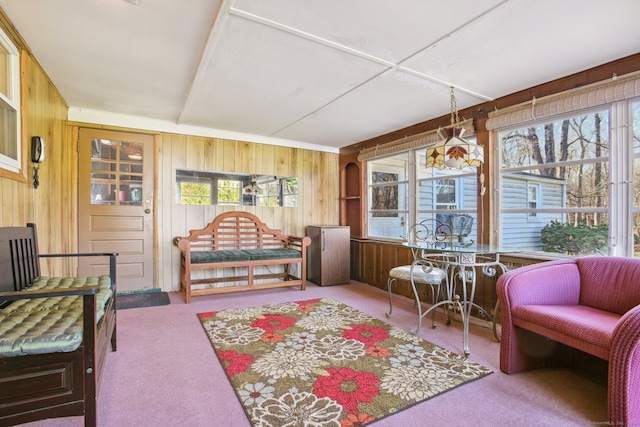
x=194, y=192
x=533, y=200
x=228, y=192
x=10, y=158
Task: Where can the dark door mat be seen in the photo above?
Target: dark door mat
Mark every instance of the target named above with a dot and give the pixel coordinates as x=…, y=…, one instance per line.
x=142, y=299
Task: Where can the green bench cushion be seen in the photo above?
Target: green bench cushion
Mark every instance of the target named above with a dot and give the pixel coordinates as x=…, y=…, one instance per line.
x=48, y=325
x=276, y=253
x=54, y=303
x=41, y=331
x=239, y=255
x=205, y=257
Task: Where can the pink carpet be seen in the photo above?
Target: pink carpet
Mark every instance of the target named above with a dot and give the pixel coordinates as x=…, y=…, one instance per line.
x=165, y=372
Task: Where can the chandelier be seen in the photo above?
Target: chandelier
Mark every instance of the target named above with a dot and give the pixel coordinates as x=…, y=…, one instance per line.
x=252, y=188
x=454, y=152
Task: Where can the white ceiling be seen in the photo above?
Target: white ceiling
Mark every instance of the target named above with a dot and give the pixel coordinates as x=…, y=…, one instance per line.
x=323, y=74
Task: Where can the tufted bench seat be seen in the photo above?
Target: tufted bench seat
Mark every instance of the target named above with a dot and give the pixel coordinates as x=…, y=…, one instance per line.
x=49, y=325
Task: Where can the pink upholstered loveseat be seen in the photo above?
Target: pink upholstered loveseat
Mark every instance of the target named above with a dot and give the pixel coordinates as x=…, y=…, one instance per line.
x=590, y=303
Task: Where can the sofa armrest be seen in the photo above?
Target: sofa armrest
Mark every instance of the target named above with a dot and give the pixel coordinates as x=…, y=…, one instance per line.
x=551, y=282
x=624, y=375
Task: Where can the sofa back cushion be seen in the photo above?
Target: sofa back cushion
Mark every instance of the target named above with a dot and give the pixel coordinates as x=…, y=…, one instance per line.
x=609, y=283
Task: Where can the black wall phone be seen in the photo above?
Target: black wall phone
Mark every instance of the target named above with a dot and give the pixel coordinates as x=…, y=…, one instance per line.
x=37, y=157
x=37, y=149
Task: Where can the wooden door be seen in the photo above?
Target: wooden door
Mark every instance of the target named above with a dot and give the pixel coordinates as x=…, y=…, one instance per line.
x=115, y=206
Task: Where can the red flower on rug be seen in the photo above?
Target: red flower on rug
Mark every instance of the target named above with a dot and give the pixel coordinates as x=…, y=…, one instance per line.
x=206, y=314
x=307, y=306
x=347, y=387
x=366, y=334
x=234, y=362
x=376, y=351
x=271, y=337
x=356, y=419
x=273, y=322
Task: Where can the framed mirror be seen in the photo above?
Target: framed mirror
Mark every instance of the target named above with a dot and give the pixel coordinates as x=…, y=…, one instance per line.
x=223, y=188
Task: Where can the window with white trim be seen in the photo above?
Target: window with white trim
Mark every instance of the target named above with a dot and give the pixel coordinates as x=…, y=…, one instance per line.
x=587, y=164
x=10, y=153
x=403, y=192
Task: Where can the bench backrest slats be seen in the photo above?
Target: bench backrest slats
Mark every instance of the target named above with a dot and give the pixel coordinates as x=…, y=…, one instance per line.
x=18, y=251
x=236, y=230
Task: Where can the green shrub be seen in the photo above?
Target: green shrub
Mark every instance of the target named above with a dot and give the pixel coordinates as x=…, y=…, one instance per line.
x=574, y=240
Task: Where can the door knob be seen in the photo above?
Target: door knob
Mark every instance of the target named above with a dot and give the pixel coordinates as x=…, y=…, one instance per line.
x=147, y=211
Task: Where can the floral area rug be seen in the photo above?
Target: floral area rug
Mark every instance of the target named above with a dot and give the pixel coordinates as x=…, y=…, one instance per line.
x=322, y=363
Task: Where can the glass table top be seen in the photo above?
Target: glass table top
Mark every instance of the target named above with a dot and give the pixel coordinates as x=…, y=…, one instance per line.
x=472, y=248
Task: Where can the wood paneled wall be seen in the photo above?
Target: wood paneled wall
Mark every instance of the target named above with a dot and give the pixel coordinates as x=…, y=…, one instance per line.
x=317, y=174
x=51, y=206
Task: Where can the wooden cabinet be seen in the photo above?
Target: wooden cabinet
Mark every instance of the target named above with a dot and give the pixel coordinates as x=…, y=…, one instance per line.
x=328, y=260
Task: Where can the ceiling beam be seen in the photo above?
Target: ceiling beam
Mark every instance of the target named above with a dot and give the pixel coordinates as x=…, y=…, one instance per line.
x=207, y=54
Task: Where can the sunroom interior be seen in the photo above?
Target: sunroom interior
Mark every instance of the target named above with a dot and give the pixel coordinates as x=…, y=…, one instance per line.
x=324, y=114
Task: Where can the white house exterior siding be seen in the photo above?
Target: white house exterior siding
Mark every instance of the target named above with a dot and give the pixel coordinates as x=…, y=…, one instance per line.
x=519, y=229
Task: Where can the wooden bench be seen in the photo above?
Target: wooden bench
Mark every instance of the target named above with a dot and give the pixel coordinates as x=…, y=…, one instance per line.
x=239, y=239
x=54, y=333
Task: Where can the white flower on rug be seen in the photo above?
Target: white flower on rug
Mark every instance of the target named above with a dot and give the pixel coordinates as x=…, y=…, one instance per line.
x=458, y=365
x=404, y=335
x=285, y=307
x=355, y=316
x=214, y=324
x=415, y=384
x=286, y=363
x=235, y=334
x=242, y=313
x=319, y=322
x=336, y=348
x=299, y=409
x=256, y=393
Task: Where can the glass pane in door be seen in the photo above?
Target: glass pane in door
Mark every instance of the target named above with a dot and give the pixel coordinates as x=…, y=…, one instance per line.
x=116, y=172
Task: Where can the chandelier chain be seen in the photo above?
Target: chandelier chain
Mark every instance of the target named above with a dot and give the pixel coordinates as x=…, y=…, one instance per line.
x=454, y=109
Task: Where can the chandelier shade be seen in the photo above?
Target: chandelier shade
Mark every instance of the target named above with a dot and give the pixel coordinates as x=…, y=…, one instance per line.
x=454, y=152
x=252, y=189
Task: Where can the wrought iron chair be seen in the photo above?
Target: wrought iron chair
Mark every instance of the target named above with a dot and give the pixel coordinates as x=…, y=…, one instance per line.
x=431, y=272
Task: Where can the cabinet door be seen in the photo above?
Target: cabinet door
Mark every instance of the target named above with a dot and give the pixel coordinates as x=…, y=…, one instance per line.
x=115, y=205
x=335, y=255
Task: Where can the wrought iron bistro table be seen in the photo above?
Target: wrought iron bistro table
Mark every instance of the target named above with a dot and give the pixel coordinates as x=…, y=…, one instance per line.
x=461, y=263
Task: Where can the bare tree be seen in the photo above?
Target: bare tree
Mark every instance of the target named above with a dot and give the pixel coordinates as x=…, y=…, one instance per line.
x=549, y=149
x=534, y=144
x=564, y=146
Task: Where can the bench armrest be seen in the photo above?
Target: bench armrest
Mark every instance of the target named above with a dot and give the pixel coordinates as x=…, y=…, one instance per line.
x=82, y=290
x=112, y=261
x=299, y=241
